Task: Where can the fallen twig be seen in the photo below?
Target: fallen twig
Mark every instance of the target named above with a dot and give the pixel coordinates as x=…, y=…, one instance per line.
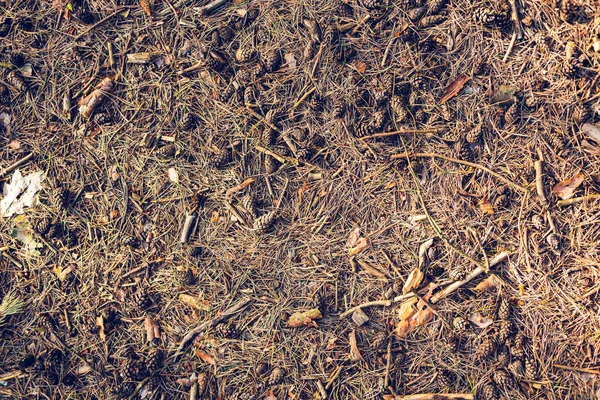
x=210, y=7
x=15, y=165
x=577, y=200
x=514, y=16
x=511, y=46
x=401, y=132
x=191, y=335
x=97, y=24
x=278, y=157
x=388, y=362
x=436, y=396
x=539, y=181
x=582, y=370
x=385, y=303
x=463, y=162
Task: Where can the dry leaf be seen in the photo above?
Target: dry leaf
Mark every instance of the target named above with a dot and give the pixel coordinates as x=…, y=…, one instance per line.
x=566, y=188
x=187, y=382
x=480, y=320
x=455, y=87
x=156, y=328
x=194, y=301
x=100, y=324
x=149, y=329
x=207, y=358
x=423, y=251
x=230, y=192
x=592, y=131
x=215, y=217
x=390, y=185
x=361, y=67
x=406, y=310
x=362, y=244
x=489, y=283
x=353, y=237
x=413, y=317
x=270, y=395
x=14, y=145
x=173, y=175
x=290, y=61
x=89, y=103
x=354, y=352
x=413, y=281
x=305, y=318
x=83, y=370
x=485, y=206
x=331, y=343
x=114, y=173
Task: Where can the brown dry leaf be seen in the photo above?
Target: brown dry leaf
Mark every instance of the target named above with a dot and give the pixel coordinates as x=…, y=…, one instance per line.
x=413, y=281
x=305, y=318
x=362, y=244
x=14, y=145
x=83, y=369
x=566, y=188
x=480, y=320
x=406, y=310
x=89, y=103
x=207, y=358
x=145, y=4
x=215, y=217
x=454, y=88
x=413, y=317
x=100, y=324
x=390, y=185
x=353, y=237
x=230, y=192
x=270, y=395
x=361, y=67
x=149, y=329
x=331, y=343
x=114, y=173
x=156, y=328
x=194, y=301
x=485, y=206
x=306, y=186
x=354, y=352
x=290, y=61
x=489, y=283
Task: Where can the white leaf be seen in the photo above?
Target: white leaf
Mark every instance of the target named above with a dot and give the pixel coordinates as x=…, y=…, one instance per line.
x=173, y=175
x=21, y=192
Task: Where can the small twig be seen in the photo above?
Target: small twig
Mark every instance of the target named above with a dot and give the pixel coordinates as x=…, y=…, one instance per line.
x=400, y=132
x=301, y=99
x=539, y=178
x=278, y=157
x=463, y=162
x=12, y=375
x=388, y=363
x=322, y=390
x=514, y=16
x=385, y=303
x=511, y=46
x=191, y=335
x=17, y=164
x=187, y=227
x=210, y=7
x=582, y=370
x=577, y=200
x=232, y=209
x=334, y=376
x=191, y=68
x=437, y=396
x=103, y=20
x=141, y=267
x=371, y=270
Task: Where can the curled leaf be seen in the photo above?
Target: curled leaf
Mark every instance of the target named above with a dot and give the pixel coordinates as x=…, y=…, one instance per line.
x=353, y=237
x=100, y=324
x=194, y=301
x=354, y=352
x=207, y=358
x=566, y=188
x=305, y=318
x=230, y=192
x=489, y=283
x=362, y=244
x=480, y=320
x=454, y=88
x=361, y=67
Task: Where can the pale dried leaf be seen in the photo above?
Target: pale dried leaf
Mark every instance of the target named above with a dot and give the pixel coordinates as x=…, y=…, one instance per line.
x=480, y=320
x=230, y=192
x=485, y=206
x=362, y=244
x=270, y=395
x=423, y=251
x=149, y=329
x=354, y=352
x=454, y=88
x=305, y=318
x=173, y=175
x=406, y=309
x=413, y=281
x=566, y=188
x=359, y=317
x=331, y=343
x=194, y=301
x=83, y=369
x=14, y=145
x=100, y=324
x=489, y=283
x=361, y=67
x=114, y=173
x=207, y=358
x=592, y=131
x=156, y=327
x=353, y=237
x=290, y=61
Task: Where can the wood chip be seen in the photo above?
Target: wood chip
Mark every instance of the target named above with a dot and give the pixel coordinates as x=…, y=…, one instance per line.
x=454, y=88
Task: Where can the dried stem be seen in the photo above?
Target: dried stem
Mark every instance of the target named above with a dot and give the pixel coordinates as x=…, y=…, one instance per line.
x=437, y=396
x=577, y=200
x=401, y=132
x=16, y=165
x=97, y=24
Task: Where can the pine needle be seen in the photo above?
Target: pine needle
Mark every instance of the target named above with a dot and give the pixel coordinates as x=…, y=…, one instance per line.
x=11, y=304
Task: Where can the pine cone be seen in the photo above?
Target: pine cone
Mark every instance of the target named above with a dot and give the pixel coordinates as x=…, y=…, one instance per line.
x=229, y=331
x=250, y=97
x=465, y=152
x=43, y=226
x=416, y=14
x=485, y=16
x=379, y=339
x=516, y=369
x=154, y=360
x=460, y=324
x=485, y=348
x=16, y=80
x=432, y=20
x=502, y=21
x=504, y=308
x=435, y=6
x=69, y=380
x=126, y=389
x=167, y=152
x=246, y=396
x=567, y=10
x=488, y=392
x=445, y=379
x=130, y=241
x=451, y=343
x=54, y=360
x=512, y=115
x=502, y=379
x=221, y=158
x=581, y=114
x=264, y=222
x=517, y=349
x=379, y=120
x=188, y=122
x=271, y=164
x=56, y=230
x=338, y=110
x=503, y=357
x=185, y=276
x=153, y=384
x=553, y=241
x=259, y=70
x=505, y=331
x=245, y=53
x=530, y=369
x=457, y=273
x=451, y=136
x=276, y=376
x=316, y=102
x=555, y=139
x=52, y=378
x=272, y=60
x=248, y=202
x=202, y=382
x=398, y=106
x=46, y=322
x=372, y=4
x=102, y=119
x=227, y=93
x=344, y=10
x=474, y=134
x=4, y=95
x=5, y=26
x=142, y=299
x=309, y=50
x=134, y=369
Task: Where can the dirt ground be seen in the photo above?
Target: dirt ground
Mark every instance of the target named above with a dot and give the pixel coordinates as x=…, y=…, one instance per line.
x=383, y=198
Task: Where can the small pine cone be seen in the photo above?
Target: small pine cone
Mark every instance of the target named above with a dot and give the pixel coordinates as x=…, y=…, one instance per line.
x=502, y=21
x=268, y=136
x=581, y=114
x=17, y=60
x=167, y=152
x=505, y=331
x=379, y=339
x=154, y=360
x=503, y=357
x=530, y=369
x=250, y=97
x=272, y=60
x=485, y=16
x=202, y=382
x=264, y=222
x=246, y=396
x=465, y=152
x=517, y=349
x=52, y=378
x=568, y=69
x=344, y=10
x=502, y=379
x=397, y=104
x=516, y=369
x=221, y=158
x=485, y=348
x=435, y=6
x=421, y=117
x=258, y=71
x=452, y=136
x=566, y=10
x=474, y=134
x=56, y=230
x=43, y=226
x=4, y=95
x=457, y=273
x=298, y=134
x=102, y=119
x=229, y=331
x=504, y=308
x=309, y=50
x=271, y=165
x=226, y=34
x=276, y=376
x=372, y=4
x=445, y=379
x=316, y=102
x=381, y=97
x=134, y=369
x=447, y=113
x=188, y=122
x=414, y=99
x=451, y=343
x=46, y=322
x=512, y=114
x=242, y=77
x=432, y=20
x=54, y=360
x=185, y=276
x=244, y=53
x=538, y=222
x=460, y=324
x=338, y=110
x=419, y=82
x=142, y=299
x=553, y=241
x=364, y=129
x=488, y=392
x=130, y=241
x=379, y=120
x=227, y=93
x=416, y=14
x=555, y=139
x=153, y=384
x=248, y=202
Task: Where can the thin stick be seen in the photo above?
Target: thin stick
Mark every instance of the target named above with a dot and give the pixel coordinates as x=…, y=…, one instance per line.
x=191, y=335
x=210, y=7
x=191, y=68
x=322, y=390
x=514, y=16
x=301, y=99
x=278, y=157
x=385, y=303
x=470, y=164
x=582, y=370
x=577, y=200
x=437, y=396
x=187, y=227
x=539, y=174
x=17, y=164
x=400, y=132
x=334, y=376
x=388, y=363
x=103, y=20
x=511, y=46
